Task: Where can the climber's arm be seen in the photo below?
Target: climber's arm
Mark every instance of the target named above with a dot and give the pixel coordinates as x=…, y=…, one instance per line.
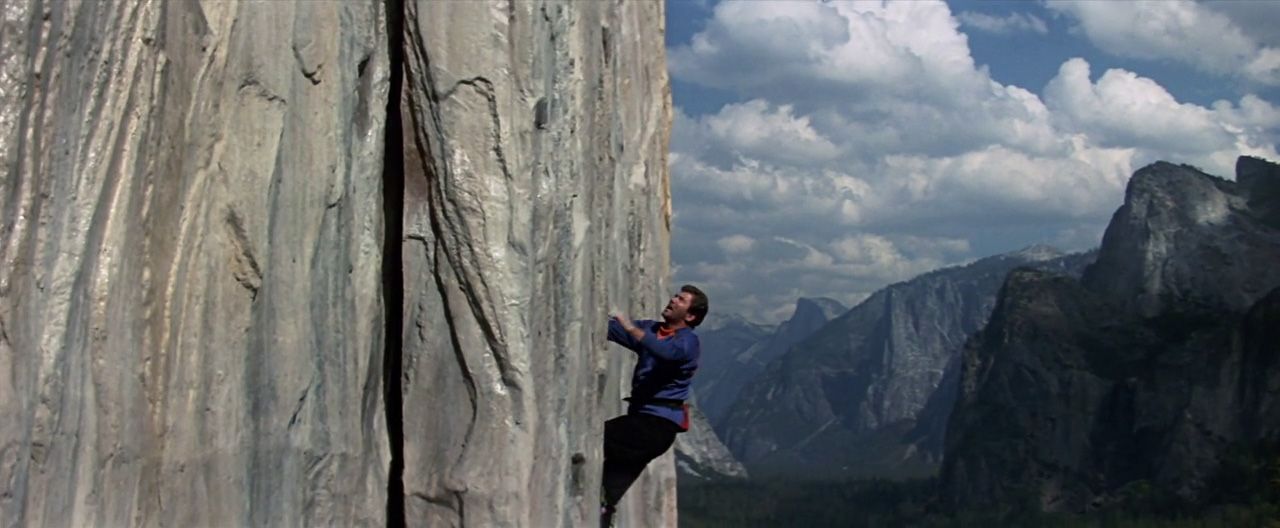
x=675, y=349
x=619, y=333
x=637, y=338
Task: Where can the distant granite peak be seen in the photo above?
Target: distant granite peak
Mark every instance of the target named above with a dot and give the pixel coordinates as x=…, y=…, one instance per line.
x=1186, y=237
x=721, y=321
x=1037, y=253
x=817, y=307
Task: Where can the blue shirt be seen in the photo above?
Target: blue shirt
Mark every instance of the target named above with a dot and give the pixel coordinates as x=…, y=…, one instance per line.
x=664, y=366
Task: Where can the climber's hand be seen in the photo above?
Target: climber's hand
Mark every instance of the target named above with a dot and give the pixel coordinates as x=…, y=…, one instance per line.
x=623, y=320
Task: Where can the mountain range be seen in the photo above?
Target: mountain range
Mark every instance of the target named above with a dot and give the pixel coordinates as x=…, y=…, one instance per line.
x=1071, y=375
x=840, y=400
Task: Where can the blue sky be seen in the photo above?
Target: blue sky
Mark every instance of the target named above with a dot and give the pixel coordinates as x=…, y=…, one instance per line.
x=830, y=148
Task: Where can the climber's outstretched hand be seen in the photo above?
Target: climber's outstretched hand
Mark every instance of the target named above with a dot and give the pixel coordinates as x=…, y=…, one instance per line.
x=627, y=324
x=623, y=320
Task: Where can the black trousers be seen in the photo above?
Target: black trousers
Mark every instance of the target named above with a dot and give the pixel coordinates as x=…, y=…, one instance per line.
x=631, y=441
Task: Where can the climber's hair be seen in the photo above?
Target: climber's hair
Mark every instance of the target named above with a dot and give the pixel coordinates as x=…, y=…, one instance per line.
x=698, y=305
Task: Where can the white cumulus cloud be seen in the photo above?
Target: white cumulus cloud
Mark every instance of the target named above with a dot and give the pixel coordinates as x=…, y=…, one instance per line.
x=866, y=147
x=734, y=244
x=1011, y=23
x=1255, y=18
x=1122, y=108
x=755, y=127
x=1192, y=32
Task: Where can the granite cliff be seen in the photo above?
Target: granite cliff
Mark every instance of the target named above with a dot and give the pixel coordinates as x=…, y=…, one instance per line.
x=324, y=263
x=1147, y=371
x=1185, y=240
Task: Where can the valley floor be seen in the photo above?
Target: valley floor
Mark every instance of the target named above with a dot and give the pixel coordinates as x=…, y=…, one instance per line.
x=918, y=504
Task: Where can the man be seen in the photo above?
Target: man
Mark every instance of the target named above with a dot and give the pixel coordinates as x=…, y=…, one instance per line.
x=667, y=355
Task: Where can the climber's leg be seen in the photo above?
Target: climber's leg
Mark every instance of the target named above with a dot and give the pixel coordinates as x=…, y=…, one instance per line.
x=630, y=443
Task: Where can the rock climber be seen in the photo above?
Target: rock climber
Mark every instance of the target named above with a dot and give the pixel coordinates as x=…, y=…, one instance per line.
x=667, y=355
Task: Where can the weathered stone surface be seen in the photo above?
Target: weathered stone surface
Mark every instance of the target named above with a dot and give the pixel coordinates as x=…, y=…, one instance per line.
x=202, y=256
x=1166, y=245
x=191, y=319
x=535, y=201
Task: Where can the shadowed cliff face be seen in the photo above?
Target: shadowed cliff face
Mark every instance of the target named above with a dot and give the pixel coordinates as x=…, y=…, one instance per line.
x=220, y=307
x=1151, y=368
x=1066, y=397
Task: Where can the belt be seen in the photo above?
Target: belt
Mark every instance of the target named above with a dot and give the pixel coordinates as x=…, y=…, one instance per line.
x=662, y=402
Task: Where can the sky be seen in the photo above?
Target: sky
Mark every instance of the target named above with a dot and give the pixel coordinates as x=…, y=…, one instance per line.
x=831, y=148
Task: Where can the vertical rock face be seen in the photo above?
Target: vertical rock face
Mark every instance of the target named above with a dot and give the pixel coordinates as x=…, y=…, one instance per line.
x=190, y=312
x=1165, y=245
x=1065, y=398
x=1033, y=356
x=218, y=309
x=535, y=180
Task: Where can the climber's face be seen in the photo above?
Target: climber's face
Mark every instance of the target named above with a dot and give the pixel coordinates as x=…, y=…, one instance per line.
x=677, y=310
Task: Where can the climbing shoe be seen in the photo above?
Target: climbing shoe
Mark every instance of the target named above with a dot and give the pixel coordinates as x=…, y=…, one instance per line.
x=606, y=517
